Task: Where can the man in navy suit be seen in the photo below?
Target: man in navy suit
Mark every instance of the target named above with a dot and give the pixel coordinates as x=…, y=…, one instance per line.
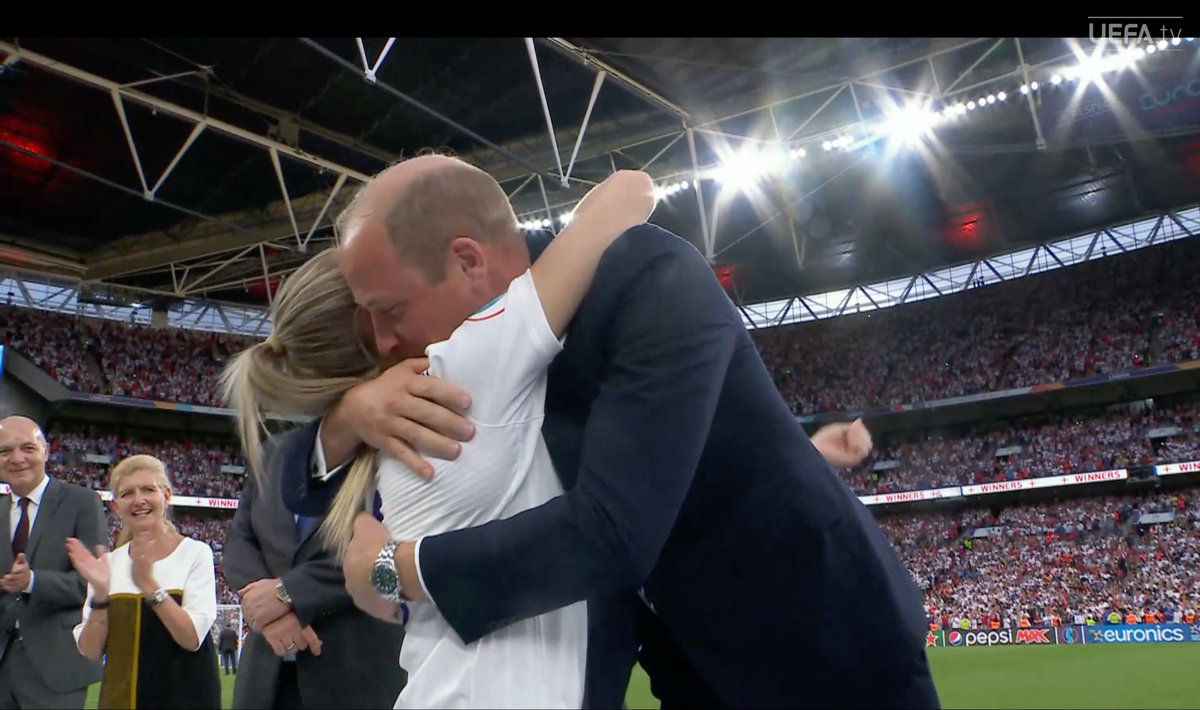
x=711, y=540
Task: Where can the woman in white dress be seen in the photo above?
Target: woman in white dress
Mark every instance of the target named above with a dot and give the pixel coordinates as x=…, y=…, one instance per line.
x=150, y=602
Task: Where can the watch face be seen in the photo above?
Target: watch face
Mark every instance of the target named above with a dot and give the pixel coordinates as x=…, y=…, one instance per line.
x=384, y=579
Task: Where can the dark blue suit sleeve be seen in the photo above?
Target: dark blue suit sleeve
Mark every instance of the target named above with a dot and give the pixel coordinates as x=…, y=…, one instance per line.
x=669, y=342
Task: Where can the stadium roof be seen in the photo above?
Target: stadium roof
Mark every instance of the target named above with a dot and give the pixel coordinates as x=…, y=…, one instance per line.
x=209, y=168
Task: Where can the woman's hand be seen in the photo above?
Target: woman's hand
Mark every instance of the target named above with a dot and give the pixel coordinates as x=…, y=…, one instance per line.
x=143, y=550
x=93, y=568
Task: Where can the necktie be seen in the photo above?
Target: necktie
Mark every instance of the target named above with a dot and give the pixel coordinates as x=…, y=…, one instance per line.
x=21, y=536
x=304, y=526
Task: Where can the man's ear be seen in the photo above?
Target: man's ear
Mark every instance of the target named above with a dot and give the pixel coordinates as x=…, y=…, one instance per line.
x=467, y=257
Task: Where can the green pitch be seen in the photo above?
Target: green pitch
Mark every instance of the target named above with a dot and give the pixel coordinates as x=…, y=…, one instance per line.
x=1099, y=676
x=1163, y=675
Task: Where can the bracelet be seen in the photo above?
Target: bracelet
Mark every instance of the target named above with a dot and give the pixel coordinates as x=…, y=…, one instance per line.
x=99, y=605
x=402, y=613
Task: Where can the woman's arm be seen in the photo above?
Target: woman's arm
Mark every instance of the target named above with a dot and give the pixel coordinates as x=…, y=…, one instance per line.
x=178, y=623
x=564, y=272
x=190, y=622
x=91, y=635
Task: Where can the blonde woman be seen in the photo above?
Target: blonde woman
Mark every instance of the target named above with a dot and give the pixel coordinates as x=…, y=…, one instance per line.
x=150, y=602
x=501, y=353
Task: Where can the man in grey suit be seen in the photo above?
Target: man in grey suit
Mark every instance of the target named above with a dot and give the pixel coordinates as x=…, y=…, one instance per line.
x=311, y=647
x=42, y=595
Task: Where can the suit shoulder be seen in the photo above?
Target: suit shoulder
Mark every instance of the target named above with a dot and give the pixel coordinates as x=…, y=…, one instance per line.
x=644, y=247
x=72, y=491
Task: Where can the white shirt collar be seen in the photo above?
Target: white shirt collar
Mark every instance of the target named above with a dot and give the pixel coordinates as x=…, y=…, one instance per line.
x=35, y=496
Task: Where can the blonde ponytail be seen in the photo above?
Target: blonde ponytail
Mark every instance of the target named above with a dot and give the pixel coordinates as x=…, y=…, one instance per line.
x=314, y=355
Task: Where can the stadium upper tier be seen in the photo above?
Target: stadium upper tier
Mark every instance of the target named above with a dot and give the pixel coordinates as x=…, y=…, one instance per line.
x=1100, y=316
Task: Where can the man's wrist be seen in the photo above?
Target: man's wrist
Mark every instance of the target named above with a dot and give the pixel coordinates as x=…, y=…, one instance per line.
x=406, y=568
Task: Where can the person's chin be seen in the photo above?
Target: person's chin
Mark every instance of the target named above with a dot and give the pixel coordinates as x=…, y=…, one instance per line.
x=149, y=522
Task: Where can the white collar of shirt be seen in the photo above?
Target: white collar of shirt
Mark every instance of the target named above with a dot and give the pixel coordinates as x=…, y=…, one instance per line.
x=35, y=496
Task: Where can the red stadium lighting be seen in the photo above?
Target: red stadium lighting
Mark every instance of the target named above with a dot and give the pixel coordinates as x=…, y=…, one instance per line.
x=968, y=228
x=727, y=276
x=24, y=160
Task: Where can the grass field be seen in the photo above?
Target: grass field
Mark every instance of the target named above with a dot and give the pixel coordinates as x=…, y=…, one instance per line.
x=1163, y=675
x=1095, y=676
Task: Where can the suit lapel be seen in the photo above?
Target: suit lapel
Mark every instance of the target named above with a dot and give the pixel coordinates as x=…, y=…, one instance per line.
x=6, y=555
x=51, y=499
x=281, y=521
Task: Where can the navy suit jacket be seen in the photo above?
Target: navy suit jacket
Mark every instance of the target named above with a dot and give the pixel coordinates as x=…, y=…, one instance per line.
x=688, y=477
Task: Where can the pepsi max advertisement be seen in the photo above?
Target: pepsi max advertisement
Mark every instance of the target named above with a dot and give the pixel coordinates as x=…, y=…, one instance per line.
x=1106, y=633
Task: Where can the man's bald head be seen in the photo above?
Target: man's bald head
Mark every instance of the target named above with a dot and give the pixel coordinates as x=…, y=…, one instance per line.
x=22, y=425
x=23, y=454
x=423, y=203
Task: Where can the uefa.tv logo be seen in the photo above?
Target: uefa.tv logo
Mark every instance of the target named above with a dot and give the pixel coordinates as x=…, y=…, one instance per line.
x=1128, y=31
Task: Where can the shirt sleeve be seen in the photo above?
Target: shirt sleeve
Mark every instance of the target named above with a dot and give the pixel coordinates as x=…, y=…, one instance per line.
x=200, y=591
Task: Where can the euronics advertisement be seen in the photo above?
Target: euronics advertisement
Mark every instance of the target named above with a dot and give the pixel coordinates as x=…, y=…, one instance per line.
x=1101, y=633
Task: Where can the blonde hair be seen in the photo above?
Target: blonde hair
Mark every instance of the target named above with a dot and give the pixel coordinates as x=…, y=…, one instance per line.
x=316, y=352
x=130, y=466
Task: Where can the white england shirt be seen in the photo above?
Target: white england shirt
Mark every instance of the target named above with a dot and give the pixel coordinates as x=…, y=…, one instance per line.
x=500, y=356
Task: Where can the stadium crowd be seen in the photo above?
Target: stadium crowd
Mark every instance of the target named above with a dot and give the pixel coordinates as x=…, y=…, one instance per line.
x=981, y=453
x=1049, y=563
x=1101, y=316
x=1047, y=446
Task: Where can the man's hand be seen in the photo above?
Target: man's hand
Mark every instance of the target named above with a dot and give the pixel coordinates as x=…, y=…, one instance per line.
x=18, y=577
x=286, y=636
x=843, y=445
x=402, y=413
x=260, y=604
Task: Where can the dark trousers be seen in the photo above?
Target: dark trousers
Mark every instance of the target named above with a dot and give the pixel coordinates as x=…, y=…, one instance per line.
x=287, y=689
x=229, y=660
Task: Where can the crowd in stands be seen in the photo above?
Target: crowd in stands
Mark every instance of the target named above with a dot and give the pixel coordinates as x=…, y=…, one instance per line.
x=130, y=360
x=1103, y=316
x=83, y=455
x=1078, y=558
x=1047, y=446
x=1053, y=562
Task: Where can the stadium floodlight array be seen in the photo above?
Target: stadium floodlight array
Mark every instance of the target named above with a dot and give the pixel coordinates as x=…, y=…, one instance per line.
x=907, y=124
x=661, y=192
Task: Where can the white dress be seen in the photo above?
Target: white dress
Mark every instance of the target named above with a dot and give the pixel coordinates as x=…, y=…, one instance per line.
x=144, y=666
x=500, y=356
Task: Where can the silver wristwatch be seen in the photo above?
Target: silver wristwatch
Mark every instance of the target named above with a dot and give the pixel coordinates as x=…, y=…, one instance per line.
x=384, y=578
x=158, y=597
